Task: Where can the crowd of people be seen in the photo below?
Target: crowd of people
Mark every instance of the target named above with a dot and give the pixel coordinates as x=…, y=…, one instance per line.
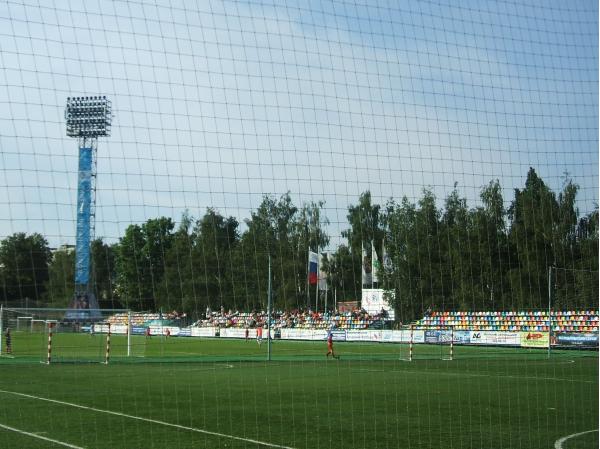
x=289, y=319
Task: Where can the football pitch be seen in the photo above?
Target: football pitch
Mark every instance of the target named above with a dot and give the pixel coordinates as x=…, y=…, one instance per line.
x=211, y=393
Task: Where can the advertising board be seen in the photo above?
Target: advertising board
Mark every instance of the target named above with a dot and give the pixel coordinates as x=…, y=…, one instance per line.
x=373, y=301
x=462, y=337
x=534, y=339
x=438, y=336
x=203, y=331
x=499, y=338
x=388, y=336
x=185, y=332
x=587, y=339
x=234, y=333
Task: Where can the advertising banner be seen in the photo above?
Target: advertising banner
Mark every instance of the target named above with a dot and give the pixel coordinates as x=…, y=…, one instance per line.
x=303, y=334
x=236, y=333
x=203, y=331
x=115, y=329
x=388, y=336
x=373, y=301
x=534, y=339
x=185, y=332
x=162, y=330
x=499, y=338
x=338, y=335
x=417, y=336
x=505, y=338
x=365, y=335
x=462, y=337
x=587, y=339
x=432, y=336
x=476, y=338
x=438, y=336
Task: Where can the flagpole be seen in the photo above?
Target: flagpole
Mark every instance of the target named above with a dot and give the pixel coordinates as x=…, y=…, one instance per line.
x=308, y=280
x=269, y=313
x=317, y=286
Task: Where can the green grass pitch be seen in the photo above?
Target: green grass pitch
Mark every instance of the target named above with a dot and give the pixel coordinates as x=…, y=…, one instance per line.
x=210, y=393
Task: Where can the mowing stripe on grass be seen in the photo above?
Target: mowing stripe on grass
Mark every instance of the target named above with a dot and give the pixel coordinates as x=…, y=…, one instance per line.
x=149, y=420
x=493, y=376
x=559, y=443
x=29, y=434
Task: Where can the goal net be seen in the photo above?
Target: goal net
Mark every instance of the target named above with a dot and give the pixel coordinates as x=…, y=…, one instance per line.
x=52, y=335
x=418, y=342
x=244, y=188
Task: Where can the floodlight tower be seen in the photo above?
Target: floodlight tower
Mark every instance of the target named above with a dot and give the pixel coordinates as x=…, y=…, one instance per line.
x=87, y=119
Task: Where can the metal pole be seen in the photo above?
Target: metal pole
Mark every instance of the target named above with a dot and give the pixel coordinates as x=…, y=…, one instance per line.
x=549, y=308
x=128, y=333
x=1, y=326
x=317, y=286
x=410, y=347
x=335, y=298
x=307, y=280
x=269, y=313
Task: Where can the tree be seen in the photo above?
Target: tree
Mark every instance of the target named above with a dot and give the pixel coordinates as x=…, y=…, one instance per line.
x=61, y=278
x=491, y=252
x=341, y=274
x=533, y=214
x=140, y=262
x=103, y=273
x=24, y=261
x=181, y=277
x=214, y=239
x=365, y=231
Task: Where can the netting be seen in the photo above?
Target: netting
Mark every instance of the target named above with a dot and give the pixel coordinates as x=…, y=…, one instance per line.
x=204, y=199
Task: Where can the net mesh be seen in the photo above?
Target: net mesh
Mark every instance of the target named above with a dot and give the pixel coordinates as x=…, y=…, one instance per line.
x=316, y=172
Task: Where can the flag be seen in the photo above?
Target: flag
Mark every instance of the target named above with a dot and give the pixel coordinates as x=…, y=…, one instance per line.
x=387, y=260
x=367, y=277
x=313, y=268
x=322, y=272
x=376, y=265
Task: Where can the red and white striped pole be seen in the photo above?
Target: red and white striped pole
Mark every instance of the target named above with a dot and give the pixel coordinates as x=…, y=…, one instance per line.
x=107, y=346
x=49, y=357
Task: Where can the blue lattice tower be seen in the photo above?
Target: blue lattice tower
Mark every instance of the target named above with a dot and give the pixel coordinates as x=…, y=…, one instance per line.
x=87, y=119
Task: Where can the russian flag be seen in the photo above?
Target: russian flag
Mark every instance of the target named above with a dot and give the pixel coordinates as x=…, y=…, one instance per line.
x=313, y=268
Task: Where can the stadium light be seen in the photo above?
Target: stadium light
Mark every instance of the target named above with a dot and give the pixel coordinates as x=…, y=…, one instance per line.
x=88, y=117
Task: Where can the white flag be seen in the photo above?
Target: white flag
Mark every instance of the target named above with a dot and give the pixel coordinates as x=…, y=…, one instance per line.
x=387, y=260
x=322, y=273
x=375, y=264
x=367, y=269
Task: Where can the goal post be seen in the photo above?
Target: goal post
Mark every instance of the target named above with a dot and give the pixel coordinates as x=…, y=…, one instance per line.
x=420, y=342
x=52, y=336
x=406, y=343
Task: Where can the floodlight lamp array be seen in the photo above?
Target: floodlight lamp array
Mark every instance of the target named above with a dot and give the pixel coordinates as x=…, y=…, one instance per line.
x=88, y=116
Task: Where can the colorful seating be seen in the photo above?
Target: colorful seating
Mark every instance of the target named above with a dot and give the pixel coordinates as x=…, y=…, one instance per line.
x=561, y=321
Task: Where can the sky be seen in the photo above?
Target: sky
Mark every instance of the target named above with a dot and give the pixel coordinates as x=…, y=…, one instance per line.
x=217, y=104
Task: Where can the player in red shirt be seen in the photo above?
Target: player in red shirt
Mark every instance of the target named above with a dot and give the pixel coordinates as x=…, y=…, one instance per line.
x=330, y=345
x=259, y=331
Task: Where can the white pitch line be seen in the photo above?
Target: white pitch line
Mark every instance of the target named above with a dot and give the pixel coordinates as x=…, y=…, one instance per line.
x=149, y=420
x=29, y=434
x=559, y=443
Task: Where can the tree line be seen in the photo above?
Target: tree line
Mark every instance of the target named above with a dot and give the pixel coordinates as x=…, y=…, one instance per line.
x=448, y=258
